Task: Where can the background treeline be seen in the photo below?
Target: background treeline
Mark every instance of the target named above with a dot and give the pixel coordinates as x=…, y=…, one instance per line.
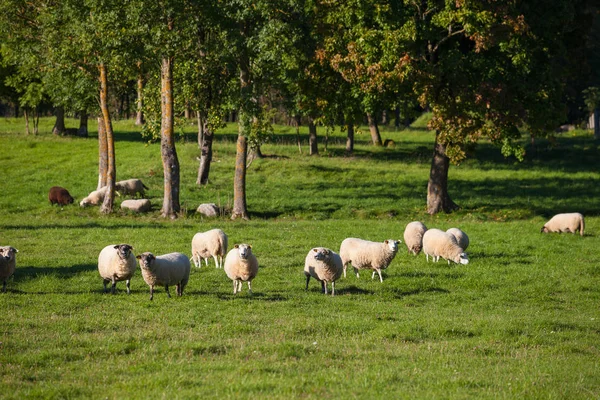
x=488, y=70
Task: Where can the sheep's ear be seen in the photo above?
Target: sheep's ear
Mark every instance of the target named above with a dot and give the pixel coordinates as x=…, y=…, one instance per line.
x=250, y=246
x=326, y=251
x=139, y=257
x=315, y=250
x=15, y=250
x=116, y=246
x=543, y=229
x=237, y=246
x=385, y=241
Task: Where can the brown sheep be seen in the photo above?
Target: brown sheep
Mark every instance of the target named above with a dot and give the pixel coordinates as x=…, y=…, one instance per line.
x=60, y=195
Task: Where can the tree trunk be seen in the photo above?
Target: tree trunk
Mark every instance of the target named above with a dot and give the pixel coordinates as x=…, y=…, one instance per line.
x=597, y=123
x=167, y=143
x=26, y=114
x=36, y=120
x=139, y=119
x=59, y=125
x=83, y=124
x=240, y=209
x=205, y=150
x=298, y=120
x=438, y=198
x=102, y=154
x=312, y=138
x=350, y=138
x=111, y=171
x=374, y=129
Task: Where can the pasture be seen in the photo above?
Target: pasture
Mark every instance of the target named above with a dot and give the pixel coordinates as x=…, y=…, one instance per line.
x=521, y=320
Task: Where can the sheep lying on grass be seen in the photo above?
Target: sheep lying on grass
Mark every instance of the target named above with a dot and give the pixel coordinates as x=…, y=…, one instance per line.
x=207, y=244
x=8, y=264
x=116, y=263
x=59, y=195
x=165, y=270
x=569, y=223
x=325, y=266
x=461, y=238
x=437, y=243
x=413, y=236
x=94, y=198
x=363, y=254
x=241, y=266
x=130, y=187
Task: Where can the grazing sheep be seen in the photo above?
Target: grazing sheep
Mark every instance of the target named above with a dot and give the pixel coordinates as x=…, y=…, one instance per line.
x=165, y=270
x=325, y=266
x=437, y=243
x=8, y=264
x=136, y=205
x=241, y=266
x=130, y=187
x=363, y=254
x=94, y=198
x=60, y=195
x=116, y=263
x=569, y=223
x=207, y=244
x=461, y=238
x=413, y=236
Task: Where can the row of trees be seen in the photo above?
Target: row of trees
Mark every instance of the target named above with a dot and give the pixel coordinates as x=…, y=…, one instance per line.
x=484, y=68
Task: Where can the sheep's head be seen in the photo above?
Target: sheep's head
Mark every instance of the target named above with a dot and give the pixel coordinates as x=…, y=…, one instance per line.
x=146, y=260
x=123, y=250
x=244, y=250
x=7, y=253
x=392, y=244
x=462, y=258
x=544, y=229
x=84, y=203
x=321, y=253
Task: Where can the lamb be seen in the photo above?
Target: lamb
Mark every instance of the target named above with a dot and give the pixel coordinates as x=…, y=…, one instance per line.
x=8, y=264
x=325, y=266
x=94, y=198
x=413, y=236
x=461, y=238
x=165, y=270
x=363, y=254
x=60, y=195
x=116, y=263
x=569, y=223
x=130, y=187
x=136, y=205
x=240, y=266
x=207, y=244
x=437, y=243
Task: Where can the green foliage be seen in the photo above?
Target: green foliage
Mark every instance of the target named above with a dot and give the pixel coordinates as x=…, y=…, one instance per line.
x=592, y=98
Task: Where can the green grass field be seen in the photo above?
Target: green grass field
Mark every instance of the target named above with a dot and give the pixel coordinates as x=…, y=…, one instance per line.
x=521, y=320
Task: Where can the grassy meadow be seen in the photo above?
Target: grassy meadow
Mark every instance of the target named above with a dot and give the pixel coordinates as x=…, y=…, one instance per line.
x=521, y=320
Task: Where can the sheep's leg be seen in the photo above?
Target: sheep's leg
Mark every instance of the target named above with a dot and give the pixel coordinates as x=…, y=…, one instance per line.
x=221, y=261
x=195, y=259
x=167, y=290
x=206, y=261
x=216, y=261
x=113, y=288
x=4, y=286
x=356, y=272
x=427, y=257
x=105, y=282
x=128, y=284
x=373, y=276
x=249, y=287
x=333, y=288
x=307, y=280
x=379, y=272
x=234, y=286
x=344, y=270
x=151, y=292
x=323, y=287
x=179, y=289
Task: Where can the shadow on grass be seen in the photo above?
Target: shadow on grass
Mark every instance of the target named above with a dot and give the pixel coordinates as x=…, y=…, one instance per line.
x=403, y=294
x=34, y=272
x=255, y=296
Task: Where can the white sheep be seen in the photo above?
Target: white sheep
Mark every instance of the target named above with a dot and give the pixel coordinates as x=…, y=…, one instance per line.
x=325, y=266
x=461, y=238
x=569, y=223
x=207, y=244
x=130, y=187
x=413, y=236
x=136, y=205
x=8, y=264
x=363, y=254
x=241, y=265
x=116, y=263
x=165, y=270
x=94, y=198
x=437, y=243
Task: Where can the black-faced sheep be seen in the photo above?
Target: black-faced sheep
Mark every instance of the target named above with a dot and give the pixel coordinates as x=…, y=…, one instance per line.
x=363, y=254
x=60, y=195
x=208, y=244
x=165, y=270
x=130, y=187
x=116, y=263
x=568, y=223
x=240, y=266
x=413, y=236
x=437, y=243
x=461, y=238
x=325, y=266
x=8, y=264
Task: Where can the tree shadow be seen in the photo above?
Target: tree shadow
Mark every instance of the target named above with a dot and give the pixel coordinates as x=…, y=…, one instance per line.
x=414, y=292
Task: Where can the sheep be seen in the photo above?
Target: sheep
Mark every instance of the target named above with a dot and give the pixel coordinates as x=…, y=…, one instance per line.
x=363, y=254
x=325, y=266
x=130, y=187
x=165, y=270
x=413, y=236
x=8, y=264
x=240, y=266
x=136, y=205
x=461, y=238
x=94, y=198
x=437, y=243
x=116, y=263
x=207, y=244
x=569, y=223
x=60, y=195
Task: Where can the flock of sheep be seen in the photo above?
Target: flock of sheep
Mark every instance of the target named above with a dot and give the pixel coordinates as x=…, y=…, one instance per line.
x=117, y=262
